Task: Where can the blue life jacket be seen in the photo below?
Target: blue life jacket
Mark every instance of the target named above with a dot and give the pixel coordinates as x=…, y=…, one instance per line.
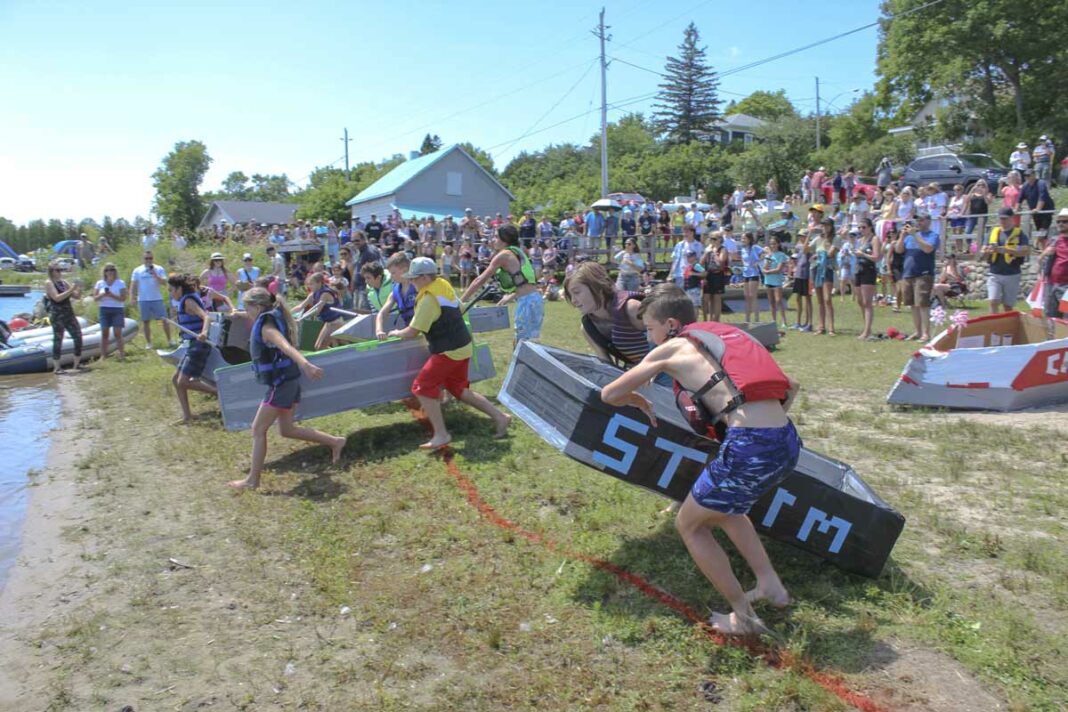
x=327, y=314
x=405, y=301
x=271, y=366
x=189, y=321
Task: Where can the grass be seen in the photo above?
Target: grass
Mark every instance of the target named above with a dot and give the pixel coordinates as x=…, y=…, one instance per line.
x=446, y=612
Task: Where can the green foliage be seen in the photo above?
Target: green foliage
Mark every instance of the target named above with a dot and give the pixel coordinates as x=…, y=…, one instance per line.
x=767, y=105
x=430, y=144
x=264, y=188
x=177, y=181
x=999, y=61
x=859, y=138
x=688, y=104
x=484, y=159
x=782, y=150
x=330, y=188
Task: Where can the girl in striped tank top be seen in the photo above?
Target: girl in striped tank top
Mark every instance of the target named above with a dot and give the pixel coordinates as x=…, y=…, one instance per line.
x=610, y=320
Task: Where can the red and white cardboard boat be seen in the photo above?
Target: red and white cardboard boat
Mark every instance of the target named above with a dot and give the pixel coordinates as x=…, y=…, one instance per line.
x=994, y=362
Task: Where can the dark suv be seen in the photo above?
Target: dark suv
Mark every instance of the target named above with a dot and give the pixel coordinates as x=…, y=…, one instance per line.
x=948, y=169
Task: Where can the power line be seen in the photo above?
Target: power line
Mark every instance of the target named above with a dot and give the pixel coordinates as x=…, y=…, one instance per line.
x=558, y=102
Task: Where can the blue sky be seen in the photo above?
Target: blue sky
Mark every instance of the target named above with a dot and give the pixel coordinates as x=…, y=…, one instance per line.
x=96, y=93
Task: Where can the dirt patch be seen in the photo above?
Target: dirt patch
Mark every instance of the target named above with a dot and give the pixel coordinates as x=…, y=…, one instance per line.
x=1055, y=417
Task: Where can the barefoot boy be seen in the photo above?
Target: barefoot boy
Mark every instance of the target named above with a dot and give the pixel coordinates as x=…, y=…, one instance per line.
x=731, y=378
x=401, y=296
x=438, y=317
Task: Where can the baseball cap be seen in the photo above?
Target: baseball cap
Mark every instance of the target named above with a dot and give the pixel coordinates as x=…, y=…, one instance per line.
x=1006, y=213
x=817, y=207
x=247, y=256
x=421, y=267
x=1043, y=137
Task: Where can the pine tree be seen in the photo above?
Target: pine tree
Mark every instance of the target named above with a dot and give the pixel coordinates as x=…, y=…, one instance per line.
x=688, y=104
x=430, y=144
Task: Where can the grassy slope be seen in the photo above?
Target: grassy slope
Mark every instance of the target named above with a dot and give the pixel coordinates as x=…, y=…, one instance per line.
x=497, y=622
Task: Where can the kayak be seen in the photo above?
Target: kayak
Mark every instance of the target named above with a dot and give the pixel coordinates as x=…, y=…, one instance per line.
x=35, y=355
x=999, y=362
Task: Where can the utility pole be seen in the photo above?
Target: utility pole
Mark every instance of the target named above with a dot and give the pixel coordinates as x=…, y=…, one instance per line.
x=817, y=113
x=599, y=32
x=346, y=140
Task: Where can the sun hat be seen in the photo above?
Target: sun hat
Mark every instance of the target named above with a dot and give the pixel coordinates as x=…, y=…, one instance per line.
x=421, y=267
x=817, y=207
x=1063, y=213
x=217, y=256
x=1021, y=144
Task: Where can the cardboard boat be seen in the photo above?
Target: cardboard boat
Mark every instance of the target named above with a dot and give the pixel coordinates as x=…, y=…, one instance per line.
x=822, y=507
x=491, y=318
x=35, y=355
x=362, y=328
x=230, y=337
x=994, y=362
x=766, y=332
x=354, y=376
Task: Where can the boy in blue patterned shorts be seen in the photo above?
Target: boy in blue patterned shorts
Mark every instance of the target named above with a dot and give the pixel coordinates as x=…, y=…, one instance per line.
x=517, y=279
x=732, y=381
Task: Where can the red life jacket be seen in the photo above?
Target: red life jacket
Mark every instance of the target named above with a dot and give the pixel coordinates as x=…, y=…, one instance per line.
x=747, y=367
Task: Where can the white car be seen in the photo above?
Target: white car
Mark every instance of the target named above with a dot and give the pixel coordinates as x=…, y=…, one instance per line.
x=7, y=263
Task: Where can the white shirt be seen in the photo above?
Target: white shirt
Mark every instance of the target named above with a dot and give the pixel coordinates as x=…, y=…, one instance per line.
x=1020, y=159
x=278, y=266
x=936, y=204
x=149, y=241
x=147, y=286
x=246, y=275
x=857, y=212
x=731, y=246
x=179, y=242
x=115, y=288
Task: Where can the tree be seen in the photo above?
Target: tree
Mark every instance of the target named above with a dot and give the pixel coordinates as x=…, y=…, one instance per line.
x=235, y=186
x=270, y=188
x=767, y=105
x=177, y=181
x=688, y=104
x=430, y=144
x=481, y=157
x=781, y=151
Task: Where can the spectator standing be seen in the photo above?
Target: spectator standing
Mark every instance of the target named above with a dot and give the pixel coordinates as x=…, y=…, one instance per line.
x=470, y=227
x=806, y=187
x=110, y=295
x=611, y=232
x=1035, y=194
x=1042, y=155
x=934, y=203
x=1020, y=159
x=1055, y=270
x=61, y=316
x=688, y=243
x=374, y=230
x=594, y=229
x=884, y=174
x=771, y=192
x=528, y=229
x=631, y=265
x=978, y=206
x=627, y=224
x=1005, y=249
x=247, y=275
x=918, y=246
x=145, y=282
x=818, y=179
x=149, y=239
x=278, y=269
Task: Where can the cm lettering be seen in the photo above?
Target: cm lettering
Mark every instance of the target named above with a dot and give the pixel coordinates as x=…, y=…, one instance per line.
x=1057, y=363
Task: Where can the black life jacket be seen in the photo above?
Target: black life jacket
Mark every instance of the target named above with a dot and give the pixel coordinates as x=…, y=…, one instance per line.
x=271, y=366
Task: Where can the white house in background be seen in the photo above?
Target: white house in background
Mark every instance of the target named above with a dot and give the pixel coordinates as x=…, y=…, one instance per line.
x=442, y=183
x=736, y=127
x=242, y=212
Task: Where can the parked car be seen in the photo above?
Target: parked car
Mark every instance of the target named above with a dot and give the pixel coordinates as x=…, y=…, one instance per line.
x=627, y=198
x=65, y=264
x=948, y=169
x=25, y=263
x=7, y=263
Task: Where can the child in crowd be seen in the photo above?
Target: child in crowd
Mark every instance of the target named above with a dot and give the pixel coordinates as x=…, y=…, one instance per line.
x=320, y=302
x=194, y=323
x=448, y=257
x=439, y=317
x=548, y=256
x=693, y=277
x=847, y=263
x=552, y=290
x=467, y=264
x=801, y=284
x=278, y=365
x=759, y=448
x=401, y=295
x=774, y=269
x=536, y=255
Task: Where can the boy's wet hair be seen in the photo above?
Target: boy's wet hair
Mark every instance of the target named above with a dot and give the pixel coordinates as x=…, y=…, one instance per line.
x=372, y=269
x=508, y=234
x=667, y=301
x=398, y=259
x=185, y=282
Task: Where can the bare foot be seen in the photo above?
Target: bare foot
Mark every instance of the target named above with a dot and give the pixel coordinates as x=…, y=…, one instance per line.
x=778, y=598
x=502, y=426
x=672, y=508
x=733, y=624
x=335, y=450
x=436, y=443
x=243, y=484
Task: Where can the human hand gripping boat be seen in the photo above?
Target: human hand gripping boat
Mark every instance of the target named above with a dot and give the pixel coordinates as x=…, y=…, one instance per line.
x=995, y=362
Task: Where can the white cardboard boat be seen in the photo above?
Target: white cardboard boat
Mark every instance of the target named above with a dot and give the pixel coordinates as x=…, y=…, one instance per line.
x=994, y=362
x=354, y=376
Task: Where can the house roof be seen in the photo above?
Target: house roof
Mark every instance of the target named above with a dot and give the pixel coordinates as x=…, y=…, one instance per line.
x=393, y=181
x=244, y=211
x=740, y=122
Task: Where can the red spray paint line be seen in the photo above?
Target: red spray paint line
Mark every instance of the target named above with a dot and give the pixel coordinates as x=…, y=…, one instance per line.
x=772, y=657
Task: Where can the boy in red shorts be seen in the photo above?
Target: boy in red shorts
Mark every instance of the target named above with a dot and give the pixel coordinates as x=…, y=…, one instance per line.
x=439, y=318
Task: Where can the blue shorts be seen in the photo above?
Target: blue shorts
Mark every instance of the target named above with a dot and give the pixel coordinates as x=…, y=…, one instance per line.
x=152, y=310
x=750, y=462
x=529, y=313
x=284, y=396
x=195, y=359
x=112, y=317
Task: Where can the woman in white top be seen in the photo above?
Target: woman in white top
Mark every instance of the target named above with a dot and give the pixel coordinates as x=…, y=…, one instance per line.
x=631, y=265
x=110, y=295
x=905, y=205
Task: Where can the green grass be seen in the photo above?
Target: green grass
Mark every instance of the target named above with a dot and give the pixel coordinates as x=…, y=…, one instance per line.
x=978, y=576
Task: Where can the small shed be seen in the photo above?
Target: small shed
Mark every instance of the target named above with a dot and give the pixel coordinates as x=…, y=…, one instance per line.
x=242, y=212
x=442, y=183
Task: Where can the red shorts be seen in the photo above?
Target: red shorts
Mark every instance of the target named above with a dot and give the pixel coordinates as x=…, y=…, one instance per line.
x=441, y=371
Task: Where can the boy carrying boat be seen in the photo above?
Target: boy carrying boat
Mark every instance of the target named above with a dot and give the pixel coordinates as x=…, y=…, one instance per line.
x=723, y=377
x=194, y=323
x=277, y=365
x=438, y=316
x=402, y=294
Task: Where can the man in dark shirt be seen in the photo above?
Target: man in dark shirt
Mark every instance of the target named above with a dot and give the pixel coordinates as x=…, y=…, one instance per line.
x=918, y=244
x=1035, y=193
x=527, y=229
x=362, y=254
x=646, y=222
x=373, y=230
x=627, y=224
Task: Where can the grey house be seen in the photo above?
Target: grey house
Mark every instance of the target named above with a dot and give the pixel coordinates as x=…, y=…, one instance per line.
x=736, y=127
x=242, y=212
x=438, y=184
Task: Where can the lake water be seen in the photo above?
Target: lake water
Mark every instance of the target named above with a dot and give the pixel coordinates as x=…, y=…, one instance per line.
x=29, y=406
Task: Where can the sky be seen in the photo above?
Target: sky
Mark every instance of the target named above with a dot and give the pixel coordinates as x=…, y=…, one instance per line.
x=97, y=93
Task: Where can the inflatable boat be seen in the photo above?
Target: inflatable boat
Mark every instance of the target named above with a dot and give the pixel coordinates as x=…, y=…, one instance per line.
x=822, y=507
x=34, y=354
x=354, y=376
x=995, y=362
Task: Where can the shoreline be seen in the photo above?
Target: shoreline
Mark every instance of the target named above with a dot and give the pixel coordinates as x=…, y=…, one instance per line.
x=35, y=590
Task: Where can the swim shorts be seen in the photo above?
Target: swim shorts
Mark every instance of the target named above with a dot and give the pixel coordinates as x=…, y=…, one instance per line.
x=195, y=358
x=750, y=462
x=284, y=396
x=529, y=313
x=439, y=372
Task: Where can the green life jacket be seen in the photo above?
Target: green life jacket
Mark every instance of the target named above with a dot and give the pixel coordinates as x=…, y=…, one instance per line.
x=510, y=281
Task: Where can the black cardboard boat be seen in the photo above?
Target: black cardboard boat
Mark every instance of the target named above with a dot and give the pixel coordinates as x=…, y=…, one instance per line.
x=822, y=507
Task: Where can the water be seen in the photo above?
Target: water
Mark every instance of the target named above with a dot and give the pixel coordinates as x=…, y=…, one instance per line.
x=29, y=406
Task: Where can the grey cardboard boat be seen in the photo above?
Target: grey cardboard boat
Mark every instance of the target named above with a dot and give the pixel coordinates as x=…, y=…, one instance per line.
x=491, y=318
x=354, y=376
